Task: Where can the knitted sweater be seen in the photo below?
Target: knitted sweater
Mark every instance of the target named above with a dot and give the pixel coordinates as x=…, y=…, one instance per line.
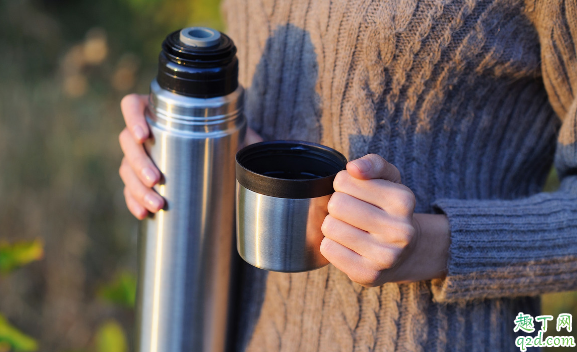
x=472, y=100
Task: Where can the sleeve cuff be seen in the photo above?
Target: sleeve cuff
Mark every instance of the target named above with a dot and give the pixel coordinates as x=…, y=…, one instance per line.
x=509, y=248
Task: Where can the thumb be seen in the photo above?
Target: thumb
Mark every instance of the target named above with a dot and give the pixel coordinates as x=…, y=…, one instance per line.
x=373, y=166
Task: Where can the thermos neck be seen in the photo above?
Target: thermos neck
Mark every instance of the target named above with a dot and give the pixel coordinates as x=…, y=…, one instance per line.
x=198, y=62
x=189, y=114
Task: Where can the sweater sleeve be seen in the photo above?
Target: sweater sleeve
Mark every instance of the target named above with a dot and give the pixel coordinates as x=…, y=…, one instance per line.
x=526, y=246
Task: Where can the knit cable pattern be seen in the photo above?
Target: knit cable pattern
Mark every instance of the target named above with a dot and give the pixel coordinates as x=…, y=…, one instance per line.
x=472, y=100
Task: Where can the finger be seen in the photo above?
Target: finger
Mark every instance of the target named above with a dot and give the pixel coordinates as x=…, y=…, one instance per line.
x=142, y=194
x=357, y=268
x=136, y=209
x=394, y=198
x=359, y=241
x=391, y=231
x=373, y=166
x=357, y=213
x=133, y=107
x=140, y=162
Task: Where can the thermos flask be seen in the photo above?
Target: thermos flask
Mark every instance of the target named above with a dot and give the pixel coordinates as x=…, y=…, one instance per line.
x=185, y=250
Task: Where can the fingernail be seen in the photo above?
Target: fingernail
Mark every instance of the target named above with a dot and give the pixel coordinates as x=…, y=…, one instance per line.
x=149, y=174
x=363, y=165
x=153, y=200
x=139, y=132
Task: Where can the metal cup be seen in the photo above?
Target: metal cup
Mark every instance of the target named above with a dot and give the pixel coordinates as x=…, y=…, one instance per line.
x=282, y=192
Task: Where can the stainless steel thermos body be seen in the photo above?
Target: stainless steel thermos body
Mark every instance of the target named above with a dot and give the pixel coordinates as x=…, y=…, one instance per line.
x=282, y=192
x=185, y=250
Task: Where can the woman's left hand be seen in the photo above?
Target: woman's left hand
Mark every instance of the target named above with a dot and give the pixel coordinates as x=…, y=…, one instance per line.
x=371, y=232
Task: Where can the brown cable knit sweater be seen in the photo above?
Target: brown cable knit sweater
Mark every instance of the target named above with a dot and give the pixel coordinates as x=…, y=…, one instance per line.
x=469, y=99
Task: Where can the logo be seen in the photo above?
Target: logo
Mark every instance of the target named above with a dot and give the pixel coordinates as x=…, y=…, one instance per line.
x=526, y=323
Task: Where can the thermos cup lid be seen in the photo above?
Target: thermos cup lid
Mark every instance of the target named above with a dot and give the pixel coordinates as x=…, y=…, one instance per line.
x=289, y=169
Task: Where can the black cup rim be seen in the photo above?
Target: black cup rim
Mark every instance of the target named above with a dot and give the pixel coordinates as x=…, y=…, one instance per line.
x=289, y=188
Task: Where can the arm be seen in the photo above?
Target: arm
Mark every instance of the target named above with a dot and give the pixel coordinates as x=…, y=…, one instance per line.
x=475, y=249
x=526, y=246
x=371, y=233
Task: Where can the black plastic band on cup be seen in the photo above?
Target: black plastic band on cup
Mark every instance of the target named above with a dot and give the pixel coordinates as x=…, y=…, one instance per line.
x=289, y=169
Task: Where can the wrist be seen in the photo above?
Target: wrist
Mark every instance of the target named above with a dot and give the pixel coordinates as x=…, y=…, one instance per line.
x=428, y=257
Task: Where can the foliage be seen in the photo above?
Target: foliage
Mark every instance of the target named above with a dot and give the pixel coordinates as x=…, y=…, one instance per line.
x=110, y=338
x=121, y=291
x=64, y=68
x=13, y=256
x=20, y=253
x=555, y=304
x=563, y=302
x=552, y=183
x=12, y=338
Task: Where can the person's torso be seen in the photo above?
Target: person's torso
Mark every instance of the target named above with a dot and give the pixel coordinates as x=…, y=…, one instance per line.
x=450, y=92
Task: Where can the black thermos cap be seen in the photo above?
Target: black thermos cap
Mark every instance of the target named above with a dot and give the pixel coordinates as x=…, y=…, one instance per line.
x=198, y=62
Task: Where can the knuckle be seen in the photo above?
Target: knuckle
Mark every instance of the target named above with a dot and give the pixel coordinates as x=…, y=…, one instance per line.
x=405, y=200
x=140, y=161
x=122, y=137
x=136, y=190
x=366, y=277
x=335, y=202
x=327, y=225
x=326, y=247
x=137, y=193
x=392, y=172
x=128, y=99
x=384, y=168
x=341, y=180
x=122, y=168
x=376, y=158
x=124, y=100
x=383, y=223
x=407, y=233
x=386, y=259
x=399, y=234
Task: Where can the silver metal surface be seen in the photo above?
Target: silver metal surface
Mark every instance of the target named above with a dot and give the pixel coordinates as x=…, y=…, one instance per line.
x=185, y=250
x=280, y=234
x=199, y=36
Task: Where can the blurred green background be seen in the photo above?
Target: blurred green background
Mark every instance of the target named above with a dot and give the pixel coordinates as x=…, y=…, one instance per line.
x=67, y=242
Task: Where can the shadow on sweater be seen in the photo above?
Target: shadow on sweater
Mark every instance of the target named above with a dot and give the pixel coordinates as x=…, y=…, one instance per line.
x=279, y=104
x=282, y=100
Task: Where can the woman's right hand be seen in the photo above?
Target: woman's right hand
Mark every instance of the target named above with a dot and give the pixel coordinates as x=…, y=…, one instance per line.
x=137, y=170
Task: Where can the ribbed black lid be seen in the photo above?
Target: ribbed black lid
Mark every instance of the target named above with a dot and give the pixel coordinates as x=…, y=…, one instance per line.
x=197, y=71
x=289, y=169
